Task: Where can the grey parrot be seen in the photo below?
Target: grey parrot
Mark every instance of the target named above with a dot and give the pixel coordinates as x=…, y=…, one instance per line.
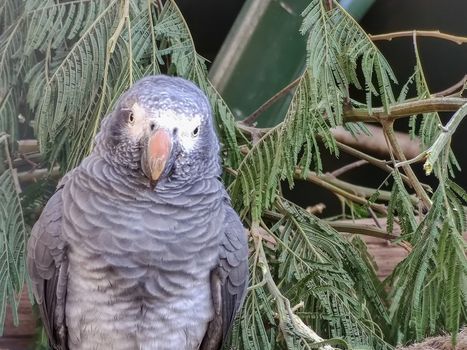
x=139, y=247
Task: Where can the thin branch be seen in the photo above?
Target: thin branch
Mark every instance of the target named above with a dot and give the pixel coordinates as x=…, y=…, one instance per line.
x=361, y=229
x=27, y=160
x=379, y=163
x=33, y=159
x=396, y=111
x=286, y=316
x=443, y=139
x=374, y=217
x=375, y=143
x=325, y=183
x=405, y=109
x=361, y=191
x=38, y=174
x=415, y=183
x=457, y=86
x=459, y=40
x=349, y=167
x=266, y=105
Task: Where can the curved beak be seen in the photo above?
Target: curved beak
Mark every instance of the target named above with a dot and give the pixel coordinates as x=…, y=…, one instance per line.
x=158, y=149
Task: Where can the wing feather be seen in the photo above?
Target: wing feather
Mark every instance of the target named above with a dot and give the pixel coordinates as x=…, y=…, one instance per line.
x=228, y=281
x=47, y=267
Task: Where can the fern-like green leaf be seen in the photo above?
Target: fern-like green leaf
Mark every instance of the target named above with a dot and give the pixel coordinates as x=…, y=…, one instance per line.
x=12, y=242
x=430, y=280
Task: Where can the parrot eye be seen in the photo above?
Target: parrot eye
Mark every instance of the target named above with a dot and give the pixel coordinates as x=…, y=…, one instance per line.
x=195, y=132
x=131, y=117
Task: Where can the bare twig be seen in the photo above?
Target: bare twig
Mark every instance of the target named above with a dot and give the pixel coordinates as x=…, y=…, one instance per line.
x=348, y=167
x=442, y=140
x=375, y=142
x=425, y=33
x=253, y=116
x=379, y=163
x=457, y=86
x=38, y=174
x=32, y=158
x=374, y=217
x=396, y=111
x=365, y=192
x=28, y=146
x=327, y=184
x=405, y=109
x=26, y=159
x=361, y=229
x=415, y=183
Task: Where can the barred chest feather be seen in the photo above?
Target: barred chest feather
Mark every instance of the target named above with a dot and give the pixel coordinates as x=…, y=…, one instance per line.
x=139, y=261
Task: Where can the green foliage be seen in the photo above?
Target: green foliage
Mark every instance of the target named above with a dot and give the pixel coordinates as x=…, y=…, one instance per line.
x=321, y=268
x=335, y=44
x=429, y=128
x=430, y=281
x=400, y=206
x=63, y=65
x=12, y=240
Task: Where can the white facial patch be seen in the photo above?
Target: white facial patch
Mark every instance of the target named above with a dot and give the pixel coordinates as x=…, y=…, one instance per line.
x=171, y=120
x=139, y=127
x=168, y=120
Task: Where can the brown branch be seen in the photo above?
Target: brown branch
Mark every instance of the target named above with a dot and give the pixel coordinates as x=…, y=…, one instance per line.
x=28, y=146
x=38, y=174
x=338, y=190
x=348, y=167
x=375, y=142
x=374, y=217
x=415, y=183
x=361, y=229
x=28, y=161
x=266, y=105
x=365, y=192
x=396, y=111
x=379, y=163
x=423, y=33
x=457, y=86
x=405, y=109
x=32, y=158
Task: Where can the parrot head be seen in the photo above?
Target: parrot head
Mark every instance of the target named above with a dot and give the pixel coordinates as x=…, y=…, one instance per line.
x=162, y=127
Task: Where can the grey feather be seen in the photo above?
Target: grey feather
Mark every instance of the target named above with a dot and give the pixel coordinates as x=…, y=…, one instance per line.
x=228, y=281
x=47, y=267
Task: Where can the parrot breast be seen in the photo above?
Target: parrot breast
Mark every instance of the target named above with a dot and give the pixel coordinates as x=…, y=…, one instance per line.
x=139, y=260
